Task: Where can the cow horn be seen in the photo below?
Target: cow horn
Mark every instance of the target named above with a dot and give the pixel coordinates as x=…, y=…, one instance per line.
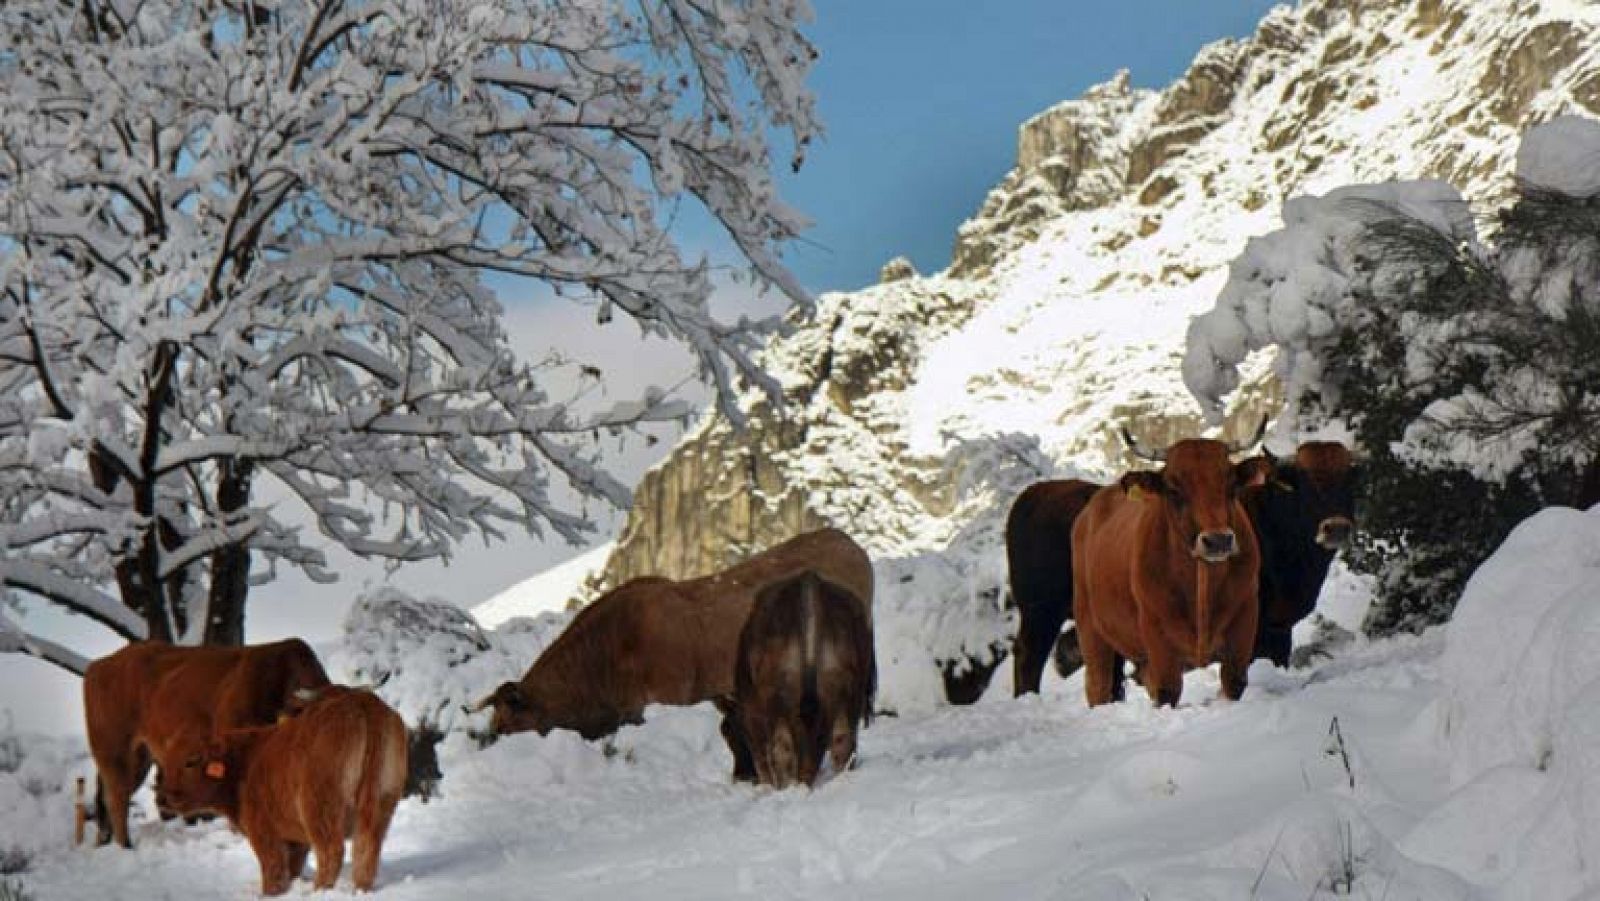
x=306, y=695
x=1261, y=431
x=481, y=705
x=1141, y=453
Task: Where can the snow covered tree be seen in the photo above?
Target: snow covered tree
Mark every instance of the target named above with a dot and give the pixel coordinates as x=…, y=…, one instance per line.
x=1467, y=374
x=243, y=246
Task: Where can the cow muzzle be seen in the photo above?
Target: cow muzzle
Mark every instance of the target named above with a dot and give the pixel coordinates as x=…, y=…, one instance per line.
x=1335, y=532
x=1216, y=546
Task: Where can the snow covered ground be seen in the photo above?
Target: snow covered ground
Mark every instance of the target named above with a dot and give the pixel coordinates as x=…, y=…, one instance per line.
x=1462, y=766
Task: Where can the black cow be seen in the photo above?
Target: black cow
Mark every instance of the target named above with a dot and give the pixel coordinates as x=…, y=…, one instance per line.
x=1039, y=556
x=1304, y=512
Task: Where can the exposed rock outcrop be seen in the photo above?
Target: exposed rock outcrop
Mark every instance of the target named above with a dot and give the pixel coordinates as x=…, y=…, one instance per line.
x=915, y=408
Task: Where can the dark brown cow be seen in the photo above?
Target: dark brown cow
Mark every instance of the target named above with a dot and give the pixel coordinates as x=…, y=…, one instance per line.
x=335, y=769
x=1164, y=573
x=659, y=641
x=804, y=680
x=140, y=700
x=1039, y=557
x=1304, y=512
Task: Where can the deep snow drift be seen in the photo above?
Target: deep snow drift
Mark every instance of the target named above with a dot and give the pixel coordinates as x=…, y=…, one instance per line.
x=1462, y=766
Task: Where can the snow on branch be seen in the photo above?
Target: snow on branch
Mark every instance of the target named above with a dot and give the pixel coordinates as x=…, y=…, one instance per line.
x=13, y=640
x=1294, y=288
x=246, y=243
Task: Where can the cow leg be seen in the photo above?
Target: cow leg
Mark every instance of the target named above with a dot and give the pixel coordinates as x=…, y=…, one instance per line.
x=1237, y=652
x=1163, y=676
x=118, y=781
x=297, y=859
x=330, y=859
x=1101, y=670
x=1274, y=644
x=1036, y=636
x=1068, y=657
x=744, y=765
x=102, y=822
x=273, y=856
x=371, y=826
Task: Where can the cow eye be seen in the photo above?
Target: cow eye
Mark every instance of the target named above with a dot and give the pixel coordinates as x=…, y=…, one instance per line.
x=192, y=762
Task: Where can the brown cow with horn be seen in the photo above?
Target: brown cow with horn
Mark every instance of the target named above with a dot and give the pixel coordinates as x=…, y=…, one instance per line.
x=144, y=699
x=1165, y=566
x=660, y=641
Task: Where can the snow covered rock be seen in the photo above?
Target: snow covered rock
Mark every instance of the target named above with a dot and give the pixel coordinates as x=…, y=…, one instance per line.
x=1521, y=714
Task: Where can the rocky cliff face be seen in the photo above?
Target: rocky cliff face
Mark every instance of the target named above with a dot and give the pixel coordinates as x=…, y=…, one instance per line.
x=913, y=410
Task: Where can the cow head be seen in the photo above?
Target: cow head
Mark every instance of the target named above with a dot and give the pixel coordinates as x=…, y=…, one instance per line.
x=1314, y=495
x=514, y=711
x=1196, y=488
x=203, y=776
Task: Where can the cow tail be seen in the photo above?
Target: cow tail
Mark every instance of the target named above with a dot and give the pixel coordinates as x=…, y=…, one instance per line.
x=810, y=698
x=383, y=781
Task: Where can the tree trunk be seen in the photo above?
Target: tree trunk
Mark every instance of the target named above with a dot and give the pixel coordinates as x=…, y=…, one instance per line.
x=230, y=565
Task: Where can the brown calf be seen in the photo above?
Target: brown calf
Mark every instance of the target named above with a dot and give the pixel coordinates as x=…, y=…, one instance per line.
x=804, y=681
x=1164, y=573
x=335, y=769
x=141, y=699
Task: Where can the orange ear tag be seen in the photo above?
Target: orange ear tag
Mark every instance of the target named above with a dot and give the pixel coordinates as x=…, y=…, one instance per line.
x=1136, y=493
x=216, y=770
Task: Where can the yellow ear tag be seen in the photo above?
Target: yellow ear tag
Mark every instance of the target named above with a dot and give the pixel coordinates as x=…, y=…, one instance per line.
x=216, y=770
x=1136, y=493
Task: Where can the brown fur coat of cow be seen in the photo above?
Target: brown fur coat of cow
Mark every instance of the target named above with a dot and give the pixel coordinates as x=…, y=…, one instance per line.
x=335, y=769
x=1165, y=568
x=805, y=678
x=660, y=641
x=144, y=698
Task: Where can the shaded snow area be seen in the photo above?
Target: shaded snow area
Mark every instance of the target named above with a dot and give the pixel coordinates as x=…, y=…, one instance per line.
x=1462, y=766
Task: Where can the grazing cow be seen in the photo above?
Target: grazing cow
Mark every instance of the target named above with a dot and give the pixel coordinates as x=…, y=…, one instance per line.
x=1164, y=568
x=1304, y=512
x=145, y=697
x=659, y=641
x=335, y=769
x=1039, y=556
x=804, y=679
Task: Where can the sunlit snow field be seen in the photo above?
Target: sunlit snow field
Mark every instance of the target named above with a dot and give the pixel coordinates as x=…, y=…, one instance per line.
x=1462, y=766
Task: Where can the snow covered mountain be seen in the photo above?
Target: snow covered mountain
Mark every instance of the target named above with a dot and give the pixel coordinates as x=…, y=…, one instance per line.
x=915, y=408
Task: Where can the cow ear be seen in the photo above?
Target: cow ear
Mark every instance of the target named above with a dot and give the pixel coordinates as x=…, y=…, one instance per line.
x=1255, y=471
x=1137, y=484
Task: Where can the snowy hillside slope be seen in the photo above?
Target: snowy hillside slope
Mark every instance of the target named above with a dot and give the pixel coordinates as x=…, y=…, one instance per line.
x=549, y=591
x=1455, y=765
x=1064, y=312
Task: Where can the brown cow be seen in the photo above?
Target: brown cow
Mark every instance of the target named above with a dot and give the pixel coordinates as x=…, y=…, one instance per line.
x=1039, y=557
x=335, y=769
x=138, y=701
x=804, y=679
x=659, y=641
x=1164, y=573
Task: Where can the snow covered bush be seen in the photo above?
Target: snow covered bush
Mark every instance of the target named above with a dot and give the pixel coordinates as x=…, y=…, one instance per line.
x=428, y=659
x=1466, y=373
x=36, y=795
x=943, y=619
x=244, y=249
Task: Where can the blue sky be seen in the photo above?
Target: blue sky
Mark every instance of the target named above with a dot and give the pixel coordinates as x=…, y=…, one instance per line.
x=921, y=100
